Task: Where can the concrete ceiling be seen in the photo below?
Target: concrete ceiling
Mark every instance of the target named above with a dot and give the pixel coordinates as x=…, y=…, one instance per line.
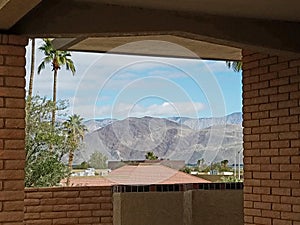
x=11, y=11
x=215, y=29
x=152, y=45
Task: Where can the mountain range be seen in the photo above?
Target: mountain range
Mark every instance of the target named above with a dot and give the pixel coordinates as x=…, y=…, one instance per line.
x=182, y=138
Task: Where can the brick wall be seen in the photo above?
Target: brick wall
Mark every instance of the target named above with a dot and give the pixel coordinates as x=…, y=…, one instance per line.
x=12, y=123
x=68, y=205
x=271, y=107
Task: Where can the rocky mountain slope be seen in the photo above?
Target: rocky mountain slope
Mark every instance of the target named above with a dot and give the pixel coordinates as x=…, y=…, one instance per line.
x=188, y=139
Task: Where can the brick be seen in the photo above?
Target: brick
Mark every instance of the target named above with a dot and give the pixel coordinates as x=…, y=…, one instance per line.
x=66, y=194
x=15, y=60
x=12, y=185
x=281, y=175
x=15, y=123
x=270, y=214
x=15, y=103
x=12, y=113
x=12, y=50
x=290, y=200
x=261, y=190
x=281, y=222
x=282, y=207
x=289, y=135
x=11, y=174
x=280, y=159
x=14, y=164
x=261, y=175
x=290, y=216
x=279, y=113
x=252, y=212
x=279, y=66
x=288, y=119
x=38, y=195
x=17, y=40
x=14, y=144
x=268, y=121
x=11, y=216
x=12, y=154
x=13, y=206
x=280, y=144
x=268, y=61
x=82, y=213
x=89, y=220
x=52, y=215
x=290, y=168
x=288, y=88
x=290, y=183
x=263, y=221
x=270, y=183
x=268, y=76
x=270, y=152
x=270, y=198
x=38, y=208
x=281, y=191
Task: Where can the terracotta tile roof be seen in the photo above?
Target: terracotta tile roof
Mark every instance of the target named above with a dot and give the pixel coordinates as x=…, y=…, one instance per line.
x=142, y=174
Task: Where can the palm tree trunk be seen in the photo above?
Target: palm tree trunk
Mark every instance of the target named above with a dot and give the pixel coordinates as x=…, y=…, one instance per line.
x=32, y=67
x=54, y=97
x=71, y=157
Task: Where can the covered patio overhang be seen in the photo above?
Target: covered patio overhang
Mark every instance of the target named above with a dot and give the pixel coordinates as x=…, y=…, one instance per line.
x=212, y=29
x=268, y=32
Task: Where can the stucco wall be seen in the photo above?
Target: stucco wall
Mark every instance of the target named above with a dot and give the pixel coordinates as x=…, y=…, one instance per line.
x=68, y=205
x=205, y=207
x=271, y=112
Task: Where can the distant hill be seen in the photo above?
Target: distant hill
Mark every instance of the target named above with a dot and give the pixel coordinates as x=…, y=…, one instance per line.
x=188, y=139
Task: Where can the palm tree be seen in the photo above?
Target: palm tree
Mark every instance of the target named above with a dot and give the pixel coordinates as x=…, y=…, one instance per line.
x=31, y=68
x=235, y=65
x=57, y=59
x=75, y=130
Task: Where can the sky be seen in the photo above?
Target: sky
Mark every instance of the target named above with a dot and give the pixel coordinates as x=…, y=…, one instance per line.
x=120, y=86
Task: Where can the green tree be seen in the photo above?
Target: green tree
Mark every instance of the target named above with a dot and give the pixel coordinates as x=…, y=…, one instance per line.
x=235, y=65
x=43, y=167
x=224, y=163
x=75, y=130
x=57, y=59
x=98, y=160
x=151, y=156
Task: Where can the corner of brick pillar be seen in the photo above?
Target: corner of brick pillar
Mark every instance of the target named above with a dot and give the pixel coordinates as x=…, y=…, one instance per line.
x=12, y=128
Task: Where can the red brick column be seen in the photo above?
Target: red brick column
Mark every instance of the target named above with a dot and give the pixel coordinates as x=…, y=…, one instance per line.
x=12, y=129
x=271, y=107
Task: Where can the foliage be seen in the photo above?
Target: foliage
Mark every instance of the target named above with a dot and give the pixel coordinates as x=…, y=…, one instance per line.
x=43, y=167
x=151, y=156
x=56, y=57
x=83, y=165
x=44, y=170
x=186, y=170
x=218, y=166
x=235, y=65
x=74, y=130
x=98, y=160
x=230, y=179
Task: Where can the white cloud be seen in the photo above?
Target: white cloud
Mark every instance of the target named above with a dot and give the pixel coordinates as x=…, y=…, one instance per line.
x=123, y=110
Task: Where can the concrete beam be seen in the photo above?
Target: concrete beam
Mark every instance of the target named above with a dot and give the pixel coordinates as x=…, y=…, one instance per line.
x=11, y=11
x=73, y=18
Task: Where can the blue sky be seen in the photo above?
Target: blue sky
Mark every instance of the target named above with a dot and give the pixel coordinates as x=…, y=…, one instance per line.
x=119, y=86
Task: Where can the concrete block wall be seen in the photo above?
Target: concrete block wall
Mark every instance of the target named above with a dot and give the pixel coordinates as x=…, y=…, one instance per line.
x=12, y=128
x=68, y=206
x=271, y=112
